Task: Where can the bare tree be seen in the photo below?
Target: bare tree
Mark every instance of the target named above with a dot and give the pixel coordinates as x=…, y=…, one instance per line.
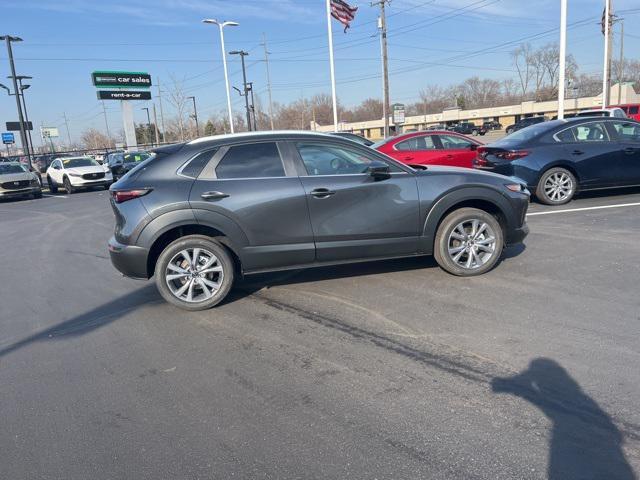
x=178, y=98
x=521, y=58
x=93, y=139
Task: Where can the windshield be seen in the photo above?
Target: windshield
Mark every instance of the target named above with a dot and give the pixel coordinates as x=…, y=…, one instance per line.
x=525, y=134
x=6, y=168
x=79, y=162
x=136, y=157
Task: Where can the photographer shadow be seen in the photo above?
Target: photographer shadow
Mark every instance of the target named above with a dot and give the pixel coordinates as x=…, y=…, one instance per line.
x=585, y=443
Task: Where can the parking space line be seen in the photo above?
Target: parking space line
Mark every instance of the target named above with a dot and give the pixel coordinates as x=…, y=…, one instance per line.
x=619, y=205
x=54, y=196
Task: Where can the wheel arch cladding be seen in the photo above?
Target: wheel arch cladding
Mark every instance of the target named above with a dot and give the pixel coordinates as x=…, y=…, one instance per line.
x=481, y=198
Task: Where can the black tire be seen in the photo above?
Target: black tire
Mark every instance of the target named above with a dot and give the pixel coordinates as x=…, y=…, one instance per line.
x=53, y=188
x=509, y=131
x=474, y=133
x=67, y=185
x=106, y=187
x=445, y=241
x=207, y=245
x=557, y=186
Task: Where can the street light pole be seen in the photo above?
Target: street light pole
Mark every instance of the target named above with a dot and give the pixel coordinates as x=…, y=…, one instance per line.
x=563, y=55
x=243, y=54
x=23, y=136
x=21, y=89
x=195, y=115
x=382, y=25
x=221, y=26
x=148, y=135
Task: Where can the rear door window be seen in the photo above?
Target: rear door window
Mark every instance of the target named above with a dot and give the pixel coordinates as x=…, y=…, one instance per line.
x=627, y=131
x=255, y=160
x=633, y=110
x=450, y=142
x=584, y=133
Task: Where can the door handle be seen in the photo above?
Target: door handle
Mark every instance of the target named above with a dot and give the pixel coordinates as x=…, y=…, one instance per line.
x=449, y=156
x=577, y=152
x=214, y=195
x=629, y=150
x=407, y=159
x=322, y=192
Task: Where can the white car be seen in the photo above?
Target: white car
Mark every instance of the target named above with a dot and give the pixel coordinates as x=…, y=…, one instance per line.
x=77, y=172
x=600, y=112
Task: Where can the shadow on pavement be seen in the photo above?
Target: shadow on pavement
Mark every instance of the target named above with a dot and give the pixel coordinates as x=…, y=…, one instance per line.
x=91, y=320
x=585, y=443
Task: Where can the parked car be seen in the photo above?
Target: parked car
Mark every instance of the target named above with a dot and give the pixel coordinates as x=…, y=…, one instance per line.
x=431, y=148
x=355, y=137
x=631, y=110
x=525, y=122
x=201, y=213
x=438, y=126
x=602, y=112
x=121, y=162
x=77, y=172
x=492, y=125
x=561, y=157
x=17, y=181
x=468, y=128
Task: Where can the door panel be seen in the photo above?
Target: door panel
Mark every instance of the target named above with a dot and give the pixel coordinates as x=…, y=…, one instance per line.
x=628, y=135
x=456, y=151
x=363, y=217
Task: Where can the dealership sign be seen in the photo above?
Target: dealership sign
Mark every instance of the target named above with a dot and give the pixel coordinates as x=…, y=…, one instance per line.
x=123, y=95
x=15, y=126
x=8, y=138
x=49, y=132
x=121, y=79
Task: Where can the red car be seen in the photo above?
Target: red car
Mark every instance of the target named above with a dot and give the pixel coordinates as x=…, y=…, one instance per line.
x=437, y=147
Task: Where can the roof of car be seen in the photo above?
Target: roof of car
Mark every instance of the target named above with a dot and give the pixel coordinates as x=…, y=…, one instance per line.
x=265, y=134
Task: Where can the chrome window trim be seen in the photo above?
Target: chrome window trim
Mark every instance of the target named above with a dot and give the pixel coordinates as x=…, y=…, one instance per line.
x=580, y=125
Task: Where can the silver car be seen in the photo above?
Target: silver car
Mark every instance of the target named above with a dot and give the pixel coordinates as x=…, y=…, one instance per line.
x=17, y=181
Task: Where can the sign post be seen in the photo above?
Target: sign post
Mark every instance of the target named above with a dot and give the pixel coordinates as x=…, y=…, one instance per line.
x=8, y=139
x=398, y=115
x=123, y=82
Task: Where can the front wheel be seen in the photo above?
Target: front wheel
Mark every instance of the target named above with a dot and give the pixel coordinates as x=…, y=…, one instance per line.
x=468, y=242
x=67, y=185
x=557, y=186
x=194, y=273
x=53, y=188
x=474, y=133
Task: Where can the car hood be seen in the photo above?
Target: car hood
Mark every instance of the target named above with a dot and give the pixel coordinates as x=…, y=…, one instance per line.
x=14, y=177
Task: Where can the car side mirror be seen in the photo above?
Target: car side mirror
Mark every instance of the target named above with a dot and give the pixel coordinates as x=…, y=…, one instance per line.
x=379, y=170
x=473, y=147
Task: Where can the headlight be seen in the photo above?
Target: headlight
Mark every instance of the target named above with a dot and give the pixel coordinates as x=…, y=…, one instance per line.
x=74, y=174
x=34, y=182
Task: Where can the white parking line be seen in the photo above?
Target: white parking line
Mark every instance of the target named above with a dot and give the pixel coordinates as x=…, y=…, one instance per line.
x=54, y=196
x=619, y=205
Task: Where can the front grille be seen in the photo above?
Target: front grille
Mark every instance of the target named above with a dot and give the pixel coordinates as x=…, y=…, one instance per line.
x=93, y=176
x=15, y=185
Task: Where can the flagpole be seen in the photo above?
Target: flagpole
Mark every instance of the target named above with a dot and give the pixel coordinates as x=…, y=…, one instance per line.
x=605, y=75
x=333, y=73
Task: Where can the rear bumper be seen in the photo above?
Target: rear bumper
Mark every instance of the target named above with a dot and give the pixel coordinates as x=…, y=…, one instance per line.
x=129, y=260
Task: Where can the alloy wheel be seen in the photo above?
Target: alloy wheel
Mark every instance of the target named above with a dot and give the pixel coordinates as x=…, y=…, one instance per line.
x=471, y=244
x=194, y=275
x=558, y=187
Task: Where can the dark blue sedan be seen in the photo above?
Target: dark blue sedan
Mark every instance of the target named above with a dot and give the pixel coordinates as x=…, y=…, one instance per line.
x=559, y=158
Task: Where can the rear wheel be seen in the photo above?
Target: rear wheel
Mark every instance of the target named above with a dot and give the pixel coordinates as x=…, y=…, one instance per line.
x=474, y=133
x=67, y=185
x=53, y=188
x=468, y=242
x=557, y=186
x=194, y=273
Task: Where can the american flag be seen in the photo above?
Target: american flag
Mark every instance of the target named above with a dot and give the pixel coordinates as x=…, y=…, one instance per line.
x=343, y=12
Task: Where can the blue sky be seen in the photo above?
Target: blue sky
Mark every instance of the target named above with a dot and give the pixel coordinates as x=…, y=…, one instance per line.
x=430, y=42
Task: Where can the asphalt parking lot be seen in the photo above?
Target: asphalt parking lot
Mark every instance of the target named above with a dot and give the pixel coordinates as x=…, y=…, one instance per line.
x=380, y=370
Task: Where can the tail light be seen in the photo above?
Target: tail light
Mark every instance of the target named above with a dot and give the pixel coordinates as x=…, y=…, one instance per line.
x=480, y=161
x=511, y=155
x=120, y=196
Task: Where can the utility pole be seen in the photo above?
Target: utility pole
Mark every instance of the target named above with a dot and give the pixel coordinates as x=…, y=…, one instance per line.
x=266, y=60
x=195, y=116
x=148, y=133
x=66, y=122
x=563, y=57
x=253, y=107
x=22, y=88
x=161, y=112
x=155, y=122
x=23, y=136
x=106, y=123
x=382, y=25
x=243, y=54
x=621, y=64
x=606, y=77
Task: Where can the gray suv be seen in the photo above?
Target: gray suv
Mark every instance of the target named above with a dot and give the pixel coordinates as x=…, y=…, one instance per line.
x=198, y=214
